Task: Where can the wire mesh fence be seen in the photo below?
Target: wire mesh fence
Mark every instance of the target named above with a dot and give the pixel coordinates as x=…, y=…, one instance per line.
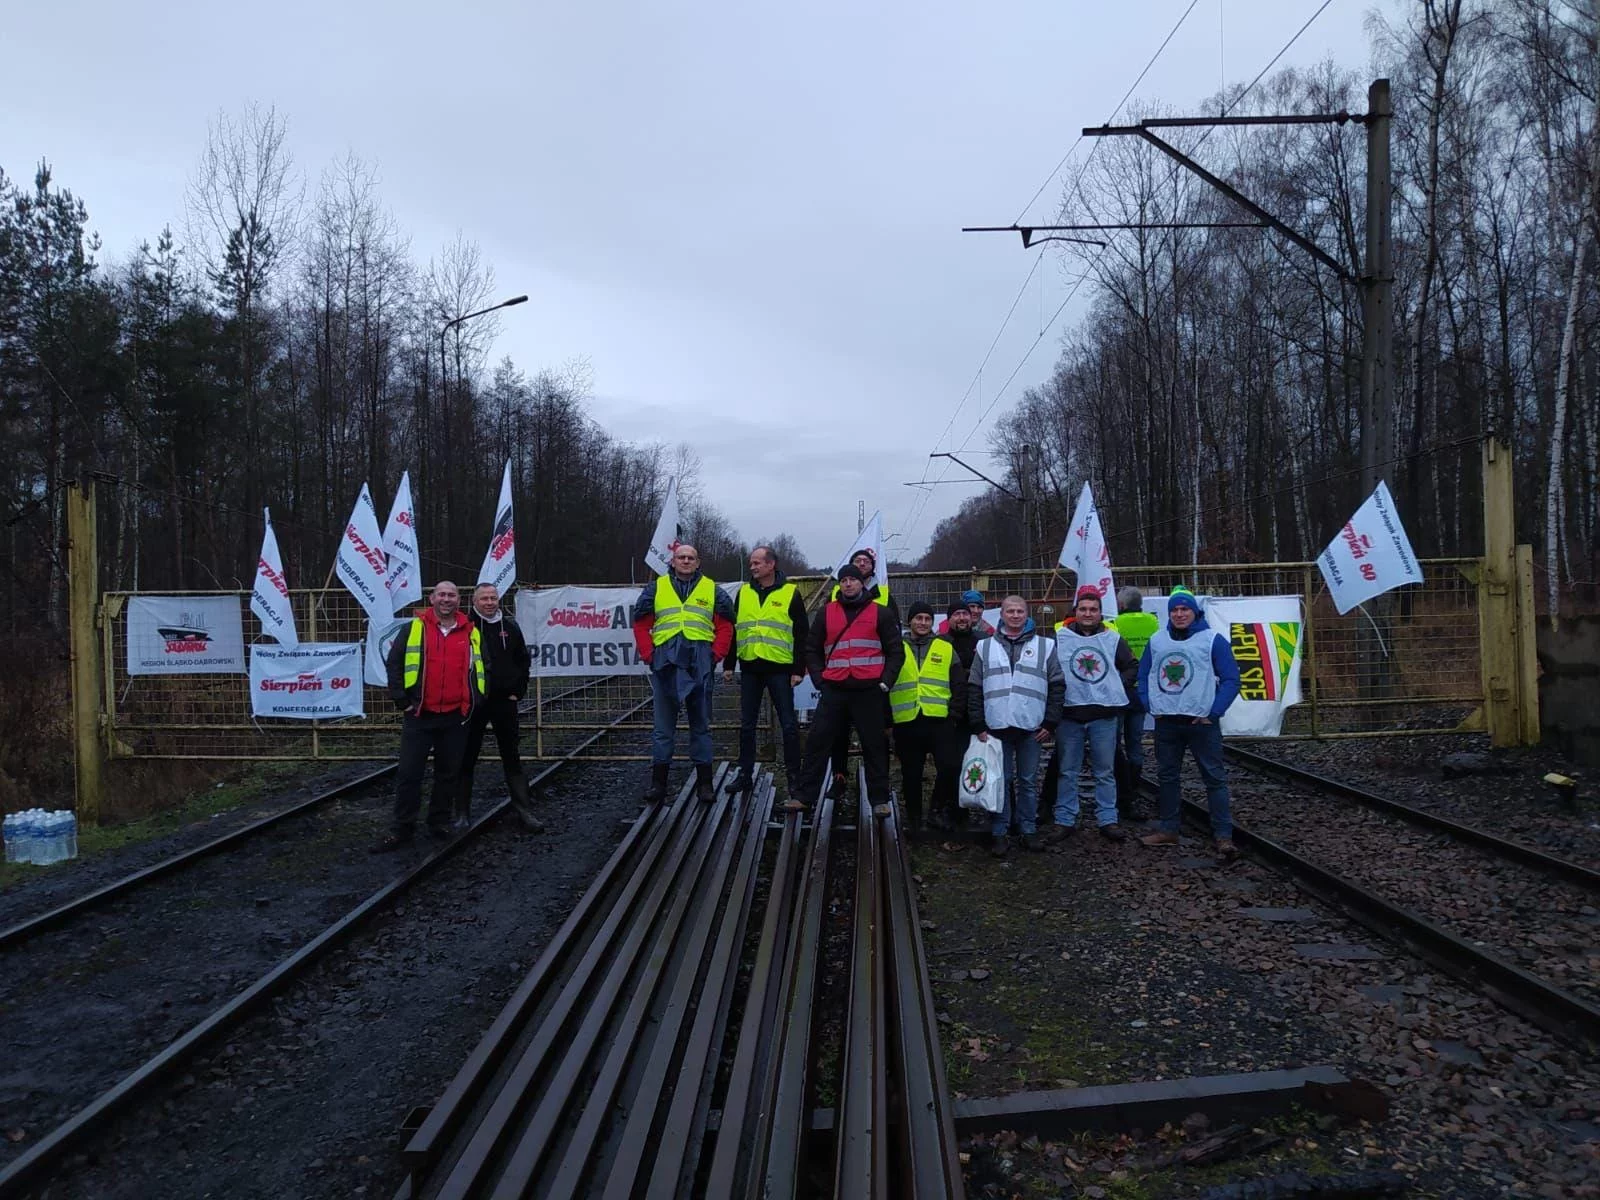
x=1410, y=661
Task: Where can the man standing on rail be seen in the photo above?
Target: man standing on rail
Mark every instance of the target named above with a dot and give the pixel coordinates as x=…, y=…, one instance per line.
x=1137, y=627
x=436, y=676
x=1187, y=679
x=682, y=624
x=1014, y=693
x=507, y=664
x=1098, y=671
x=769, y=625
x=852, y=651
x=865, y=561
x=926, y=704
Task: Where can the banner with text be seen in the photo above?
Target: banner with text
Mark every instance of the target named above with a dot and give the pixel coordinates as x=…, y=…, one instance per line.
x=1371, y=555
x=185, y=635
x=311, y=681
x=1266, y=635
x=580, y=631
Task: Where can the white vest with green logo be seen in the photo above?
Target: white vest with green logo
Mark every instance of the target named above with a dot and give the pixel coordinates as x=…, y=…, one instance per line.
x=1090, y=667
x=1182, y=683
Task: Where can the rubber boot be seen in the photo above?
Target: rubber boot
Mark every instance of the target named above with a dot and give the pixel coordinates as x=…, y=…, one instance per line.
x=657, y=791
x=521, y=803
x=703, y=791
x=746, y=782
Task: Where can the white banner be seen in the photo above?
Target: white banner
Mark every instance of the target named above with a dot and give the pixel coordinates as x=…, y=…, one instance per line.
x=1084, y=554
x=1371, y=555
x=580, y=631
x=311, y=681
x=270, y=598
x=870, y=538
x=185, y=635
x=404, y=577
x=1267, y=639
x=360, y=565
x=500, y=561
x=380, y=636
x=669, y=531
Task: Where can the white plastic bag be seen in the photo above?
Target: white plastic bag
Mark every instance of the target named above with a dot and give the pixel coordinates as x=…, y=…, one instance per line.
x=983, y=781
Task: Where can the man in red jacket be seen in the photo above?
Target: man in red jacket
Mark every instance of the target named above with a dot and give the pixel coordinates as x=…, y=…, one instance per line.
x=436, y=677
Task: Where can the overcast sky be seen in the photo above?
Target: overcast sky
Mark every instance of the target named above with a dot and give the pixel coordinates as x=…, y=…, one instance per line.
x=745, y=216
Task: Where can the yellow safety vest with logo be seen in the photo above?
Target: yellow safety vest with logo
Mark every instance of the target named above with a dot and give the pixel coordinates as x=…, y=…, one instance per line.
x=414, y=656
x=691, y=617
x=923, y=689
x=763, y=629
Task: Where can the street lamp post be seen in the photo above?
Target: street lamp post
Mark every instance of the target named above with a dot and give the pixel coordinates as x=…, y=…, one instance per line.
x=444, y=395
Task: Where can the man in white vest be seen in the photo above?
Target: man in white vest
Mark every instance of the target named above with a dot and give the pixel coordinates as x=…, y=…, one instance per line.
x=1187, y=679
x=1099, y=672
x=1014, y=694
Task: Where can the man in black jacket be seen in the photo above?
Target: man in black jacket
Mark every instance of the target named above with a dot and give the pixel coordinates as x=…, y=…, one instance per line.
x=507, y=664
x=853, y=651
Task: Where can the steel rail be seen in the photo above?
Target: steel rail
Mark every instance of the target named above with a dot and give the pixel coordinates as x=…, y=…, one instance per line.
x=47, y=1152
x=25, y=930
x=861, y=1161
x=1518, y=852
x=1551, y=1008
x=790, y=1121
x=697, y=1067
x=534, y=1072
x=759, y=1030
x=930, y=1152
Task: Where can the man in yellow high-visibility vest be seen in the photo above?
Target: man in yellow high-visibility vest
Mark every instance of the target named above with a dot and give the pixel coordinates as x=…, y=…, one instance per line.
x=927, y=704
x=770, y=623
x=682, y=624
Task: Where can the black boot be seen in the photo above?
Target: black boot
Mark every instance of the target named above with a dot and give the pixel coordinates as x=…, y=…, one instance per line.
x=461, y=812
x=702, y=783
x=657, y=791
x=746, y=782
x=521, y=804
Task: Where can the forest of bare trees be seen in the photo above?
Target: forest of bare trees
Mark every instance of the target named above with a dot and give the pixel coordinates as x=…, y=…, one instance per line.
x=280, y=347
x=1211, y=394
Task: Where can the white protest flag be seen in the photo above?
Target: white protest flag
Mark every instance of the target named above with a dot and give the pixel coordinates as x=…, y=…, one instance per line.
x=360, y=564
x=1371, y=554
x=658, y=556
x=500, y=561
x=404, y=579
x=870, y=538
x=269, y=599
x=1084, y=553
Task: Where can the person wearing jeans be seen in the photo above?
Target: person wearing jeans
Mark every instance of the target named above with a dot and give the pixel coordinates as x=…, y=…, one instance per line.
x=1137, y=627
x=682, y=624
x=1098, y=670
x=770, y=624
x=1014, y=693
x=1187, y=679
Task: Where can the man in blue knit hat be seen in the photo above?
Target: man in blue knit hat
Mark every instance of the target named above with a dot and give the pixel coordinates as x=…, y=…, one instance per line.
x=1187, y=679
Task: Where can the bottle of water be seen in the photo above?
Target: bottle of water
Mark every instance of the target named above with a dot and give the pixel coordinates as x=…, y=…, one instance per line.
x=72, y=835
x=49, y=838
x=39, y=837
x=57, y=851
x=25, y=836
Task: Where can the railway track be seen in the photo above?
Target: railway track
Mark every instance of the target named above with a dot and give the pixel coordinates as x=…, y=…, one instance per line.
x=1512, y=922
x=666, y=1042
x=118, y=1050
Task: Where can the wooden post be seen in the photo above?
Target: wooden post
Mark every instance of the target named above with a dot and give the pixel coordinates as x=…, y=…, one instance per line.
x=83, y=579
x=1497, y=600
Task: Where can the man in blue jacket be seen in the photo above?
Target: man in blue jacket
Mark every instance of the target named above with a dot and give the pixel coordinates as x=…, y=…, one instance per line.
x=1187, y=679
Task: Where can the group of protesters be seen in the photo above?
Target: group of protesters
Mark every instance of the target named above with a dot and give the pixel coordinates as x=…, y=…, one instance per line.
x=1087, y=685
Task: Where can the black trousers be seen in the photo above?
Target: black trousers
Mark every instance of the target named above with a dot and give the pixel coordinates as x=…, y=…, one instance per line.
x=840, y=708
x=840, y=758
x=915, y=742
x=500, y=712
x=444, y=735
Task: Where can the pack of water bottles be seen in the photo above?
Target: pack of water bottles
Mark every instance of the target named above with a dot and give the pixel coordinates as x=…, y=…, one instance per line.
x=41, y=836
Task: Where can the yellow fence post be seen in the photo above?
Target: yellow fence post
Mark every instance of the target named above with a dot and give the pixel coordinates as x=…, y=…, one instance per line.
x=1308, y=663
x=1497, y=599
x=1527, y=651
x=83, y=578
